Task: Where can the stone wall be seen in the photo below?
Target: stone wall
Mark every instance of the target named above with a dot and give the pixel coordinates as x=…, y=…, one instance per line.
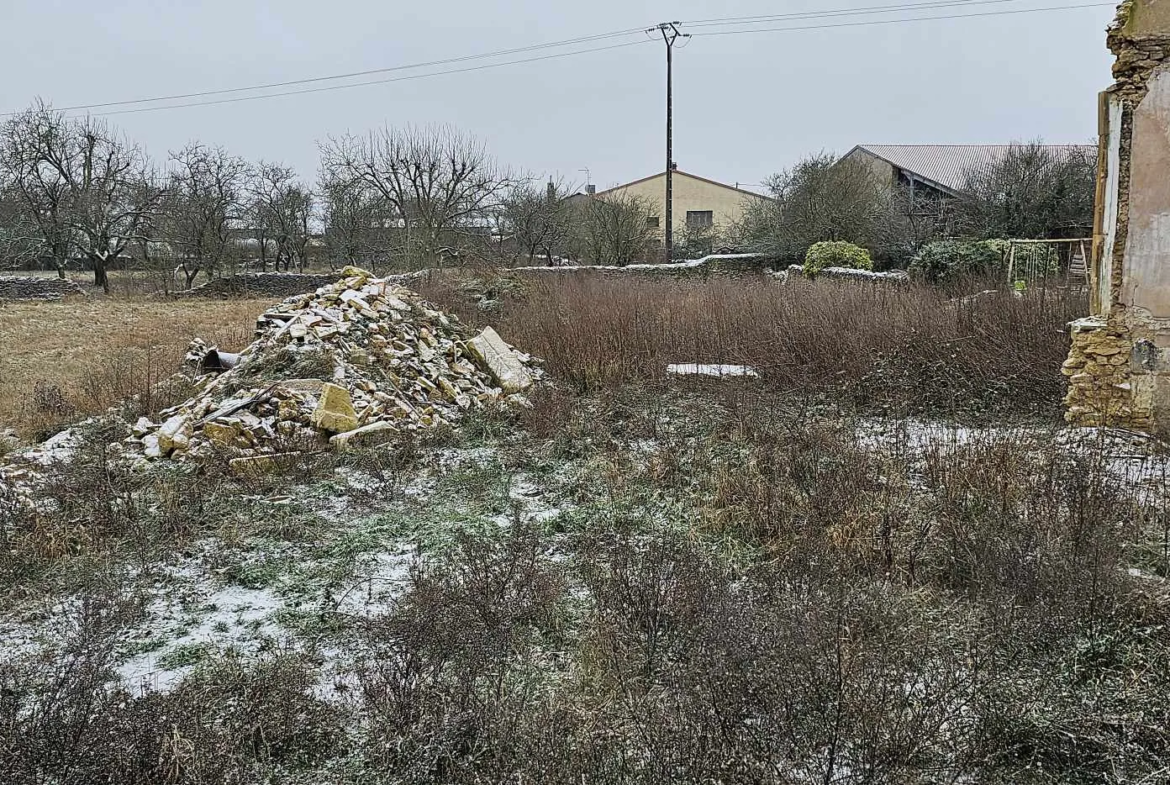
x=722, y=265
x=1119, y=362
x=36, y=288
x=1100, y=383
x=266, y=285
x=262, y=285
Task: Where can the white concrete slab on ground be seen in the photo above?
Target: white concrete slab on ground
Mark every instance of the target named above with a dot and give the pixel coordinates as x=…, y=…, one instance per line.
x=707, y=369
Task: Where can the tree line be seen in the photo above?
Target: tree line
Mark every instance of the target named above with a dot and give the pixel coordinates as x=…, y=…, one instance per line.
x=76, y=190
x=1032, y=191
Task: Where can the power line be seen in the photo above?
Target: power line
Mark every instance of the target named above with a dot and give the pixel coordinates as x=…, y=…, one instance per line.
x=873, y=22
x=865, y=10
x=726, y=21
x=330, y=88
x=354, y=74
x=499, y=53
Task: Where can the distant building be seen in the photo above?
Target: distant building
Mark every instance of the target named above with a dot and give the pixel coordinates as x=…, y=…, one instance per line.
x=931, y=176
x=937, y=168
x=698, y=202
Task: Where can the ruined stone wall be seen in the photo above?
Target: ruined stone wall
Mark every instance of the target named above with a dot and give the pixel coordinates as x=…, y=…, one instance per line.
x=34, y=288
x=1100, y=388
x=1119, y=362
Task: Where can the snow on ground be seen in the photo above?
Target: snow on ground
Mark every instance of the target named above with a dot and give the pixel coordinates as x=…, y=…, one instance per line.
x=231, y=616
x=1135, y=460
x=257, y=593
x=377, y=583
x=706, y=369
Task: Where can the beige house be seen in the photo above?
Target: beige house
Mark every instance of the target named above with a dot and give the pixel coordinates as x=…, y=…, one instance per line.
x=698, y=202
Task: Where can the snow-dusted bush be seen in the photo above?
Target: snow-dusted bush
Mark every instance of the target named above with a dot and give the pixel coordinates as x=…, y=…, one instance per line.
x=836, y=254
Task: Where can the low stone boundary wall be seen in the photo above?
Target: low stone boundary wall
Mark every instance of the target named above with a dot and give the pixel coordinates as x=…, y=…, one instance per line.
x=727, y=265
x=28, y=287
x=263, y=285
x=277, y=284
x=719, y=265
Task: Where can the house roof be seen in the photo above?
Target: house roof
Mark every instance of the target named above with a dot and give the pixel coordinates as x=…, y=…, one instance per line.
x=684, y=174
x=947, y=164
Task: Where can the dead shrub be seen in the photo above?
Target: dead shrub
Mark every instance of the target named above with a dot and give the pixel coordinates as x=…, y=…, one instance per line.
x=908, y=348
x=450, y=671
x=230, y=717
x=55, y=711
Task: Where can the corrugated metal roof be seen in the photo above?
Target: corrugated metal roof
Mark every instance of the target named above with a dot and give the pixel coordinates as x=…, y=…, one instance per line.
x=947, y=164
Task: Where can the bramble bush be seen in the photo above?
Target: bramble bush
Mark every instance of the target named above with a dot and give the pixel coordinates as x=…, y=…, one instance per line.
x=949, y=260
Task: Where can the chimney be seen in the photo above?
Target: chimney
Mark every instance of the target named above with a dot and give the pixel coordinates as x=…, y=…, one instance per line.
x=552, y=191
x=591, y=189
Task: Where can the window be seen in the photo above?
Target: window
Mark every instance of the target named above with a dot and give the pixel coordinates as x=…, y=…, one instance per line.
x=699, y=218
x=652, y=222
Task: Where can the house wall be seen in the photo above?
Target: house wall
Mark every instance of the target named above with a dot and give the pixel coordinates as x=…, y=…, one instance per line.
x=881, y=168
x=1119, y=364
x=1148, y=17
x=690, y=193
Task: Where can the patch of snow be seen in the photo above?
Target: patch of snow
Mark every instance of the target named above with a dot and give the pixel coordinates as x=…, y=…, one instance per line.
x=717, y=370
x=233, y=615
x=379, y=582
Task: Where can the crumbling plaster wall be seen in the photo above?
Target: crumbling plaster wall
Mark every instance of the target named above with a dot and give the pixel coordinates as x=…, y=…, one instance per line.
x=1119, y=363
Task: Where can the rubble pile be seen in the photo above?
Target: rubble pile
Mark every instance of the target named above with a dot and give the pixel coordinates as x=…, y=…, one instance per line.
x=358, y=357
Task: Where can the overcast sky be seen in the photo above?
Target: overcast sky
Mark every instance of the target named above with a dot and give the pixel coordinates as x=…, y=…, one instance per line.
x=745, y=105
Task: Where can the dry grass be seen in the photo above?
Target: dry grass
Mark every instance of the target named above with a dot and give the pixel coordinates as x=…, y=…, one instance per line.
x=909, y=349
x=63, y=360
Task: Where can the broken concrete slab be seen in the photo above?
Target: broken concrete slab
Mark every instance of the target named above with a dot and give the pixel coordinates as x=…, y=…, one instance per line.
x=499, y=359
x=363, y=435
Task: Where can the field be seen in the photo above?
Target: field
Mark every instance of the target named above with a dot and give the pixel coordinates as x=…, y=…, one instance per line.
x=883, y=559
x=81, y=356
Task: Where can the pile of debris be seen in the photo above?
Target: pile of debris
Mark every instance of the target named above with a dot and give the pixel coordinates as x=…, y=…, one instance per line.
x=358, y=357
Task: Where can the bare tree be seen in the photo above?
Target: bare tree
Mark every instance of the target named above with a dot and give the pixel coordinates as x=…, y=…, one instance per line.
x=612, y=229
x=1032, y=191
x=537, y=220
x=203, y=208
x=437, y=181
x=355, y=221
x=84, y=187
x=280, y=210
x=824, y=198
x=21, y=243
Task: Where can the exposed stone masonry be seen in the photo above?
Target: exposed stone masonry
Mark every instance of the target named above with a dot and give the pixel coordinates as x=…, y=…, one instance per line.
x=1119, y=363
x=1100, y=388
x=33, y=288
x=262, y=285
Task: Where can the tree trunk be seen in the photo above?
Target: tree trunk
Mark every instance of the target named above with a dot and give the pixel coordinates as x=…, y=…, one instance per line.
x=100, y=278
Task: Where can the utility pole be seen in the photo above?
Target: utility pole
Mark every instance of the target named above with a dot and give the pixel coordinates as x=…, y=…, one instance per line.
x=670, y=34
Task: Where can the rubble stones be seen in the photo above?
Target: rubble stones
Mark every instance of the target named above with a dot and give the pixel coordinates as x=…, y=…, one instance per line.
x=334, y=412
x=343, y=441
x=360, y=356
